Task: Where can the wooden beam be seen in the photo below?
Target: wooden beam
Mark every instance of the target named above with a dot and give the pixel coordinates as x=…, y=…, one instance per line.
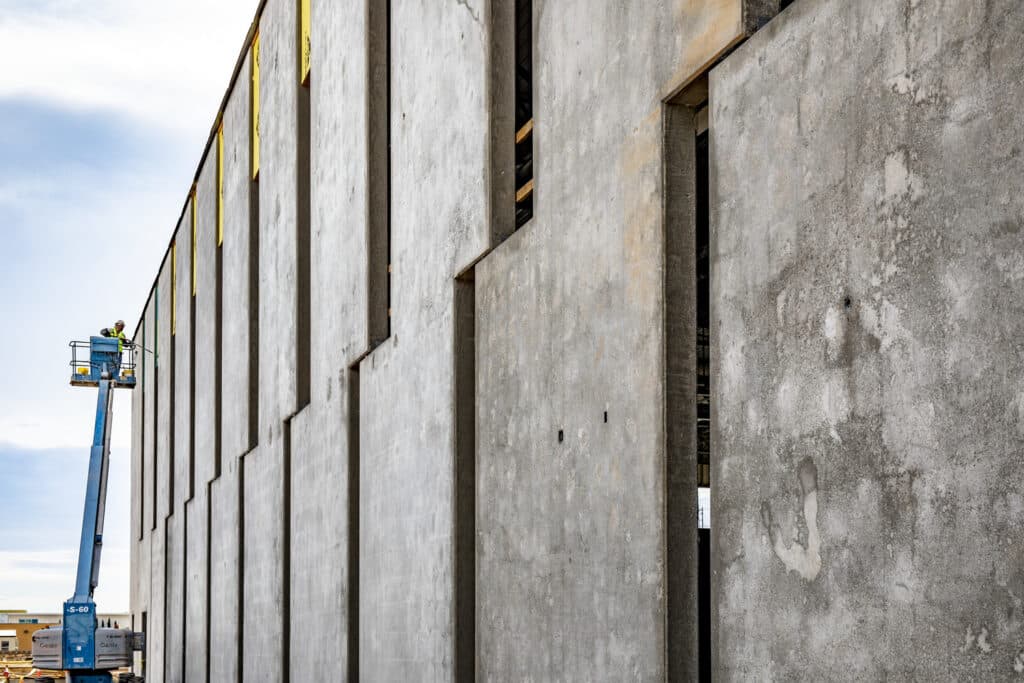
x=524, y=191
x=525, y=131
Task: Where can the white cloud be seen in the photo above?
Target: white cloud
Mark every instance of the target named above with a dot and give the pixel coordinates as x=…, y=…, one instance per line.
x=33, y=580
x=166, y=63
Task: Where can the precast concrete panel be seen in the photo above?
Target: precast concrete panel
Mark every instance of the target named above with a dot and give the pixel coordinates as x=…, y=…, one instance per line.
x=439, y=227
x=571, y=375
x=156, y=619
x=207, y=322
x=868, y=299
x=164, y=430
x=338, y=180
x=225, y=638
x=319, y=542
x=174, y=635
x=237, y=342
x=406, y=516
x=183, y=407
x=135, y=479
x=149, y=391
x=277, y=217
x=264, y=562
x=142, y=581
x=197, y=597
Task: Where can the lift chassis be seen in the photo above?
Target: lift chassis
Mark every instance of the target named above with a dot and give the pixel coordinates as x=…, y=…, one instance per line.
x=79, y=646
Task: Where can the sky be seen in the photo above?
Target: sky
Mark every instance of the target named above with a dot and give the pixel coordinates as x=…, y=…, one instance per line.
x=105, y=108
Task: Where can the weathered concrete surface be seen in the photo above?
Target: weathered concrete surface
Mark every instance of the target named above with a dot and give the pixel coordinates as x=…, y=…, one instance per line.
x=319, y=543
x=196, y=596
x=264, y=549
x=183, y=415
x=163, y=431
x=406, y=436
x=868, y=289
x=571, y=535
x=206, y=331
x=238, y=323
x=149, y=392
x=225, y=638
x=157, y=631
x=174, y=586
x=278, y=251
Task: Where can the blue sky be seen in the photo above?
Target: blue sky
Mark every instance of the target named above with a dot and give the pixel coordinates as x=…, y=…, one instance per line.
x=105, y=107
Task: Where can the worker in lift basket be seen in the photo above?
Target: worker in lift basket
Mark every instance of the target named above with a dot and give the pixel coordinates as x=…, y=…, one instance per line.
x=117, y=332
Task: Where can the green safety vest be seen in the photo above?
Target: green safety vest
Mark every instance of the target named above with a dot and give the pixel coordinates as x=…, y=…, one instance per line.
x=120, y=337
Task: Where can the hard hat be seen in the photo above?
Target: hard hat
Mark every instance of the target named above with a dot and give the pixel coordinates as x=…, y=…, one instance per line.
x=120, y=322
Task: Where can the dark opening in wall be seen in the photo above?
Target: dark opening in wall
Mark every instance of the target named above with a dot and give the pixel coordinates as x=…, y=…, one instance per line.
x=254, y=246
x=465, y=478
x=378, y=220
x=352, y=624
x=240, y=588
x=141, y=396
x=303, y=331
x=703, y=383
x=684, y=184
x=156, y=403
x=192, y=360
x=524, y=111
x=145, y=642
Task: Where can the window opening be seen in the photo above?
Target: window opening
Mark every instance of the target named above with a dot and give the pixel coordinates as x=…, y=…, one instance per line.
x=524, y=112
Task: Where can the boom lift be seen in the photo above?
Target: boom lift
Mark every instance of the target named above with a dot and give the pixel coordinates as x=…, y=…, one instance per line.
x=79, y=646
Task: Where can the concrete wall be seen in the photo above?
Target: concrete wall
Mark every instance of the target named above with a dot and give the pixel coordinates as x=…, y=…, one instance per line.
x=867, y=292
x=495, y=478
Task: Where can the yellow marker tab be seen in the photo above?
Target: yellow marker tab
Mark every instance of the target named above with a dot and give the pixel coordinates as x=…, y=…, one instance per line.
x=255, y=106
x=174, y=288
x=195, y=271
x=305, y=42
x=220, y=183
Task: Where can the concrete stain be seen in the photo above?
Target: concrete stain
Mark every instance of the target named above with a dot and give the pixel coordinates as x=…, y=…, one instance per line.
x=805, y=561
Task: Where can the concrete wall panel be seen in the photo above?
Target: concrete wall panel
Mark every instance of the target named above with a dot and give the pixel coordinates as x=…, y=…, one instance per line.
x=225, y=638
x=338, y=192
x=237, y=341
x=155, y=641
x=163, y=433
x=147, y=375
x=319, y=542
x=264, y=552
x=571, y=534
x=183, y=406
x=278, y=250
x=207, y=323
x=868, y=295
x=136, y=485
x=197, y=597
x=174, y=616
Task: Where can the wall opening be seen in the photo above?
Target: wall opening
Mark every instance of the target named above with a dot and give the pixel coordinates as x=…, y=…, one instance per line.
x=524, y=111
x=303, y=332
x=465, y=478
x=378, y=220
x=218, y=312
x=352, y=623
x=703, y=380
x=145, y=642
x=240, y=588
x=156, y=404
x=686, y=647
x=254, y=246
x=172, y=380
x=192, y=358
x=142, y=434
x=286, y=555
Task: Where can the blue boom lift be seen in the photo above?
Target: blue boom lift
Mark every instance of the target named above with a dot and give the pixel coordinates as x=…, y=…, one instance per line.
x=80, y=646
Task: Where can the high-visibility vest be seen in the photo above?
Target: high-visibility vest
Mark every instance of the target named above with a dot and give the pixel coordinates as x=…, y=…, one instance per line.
x=120, y=337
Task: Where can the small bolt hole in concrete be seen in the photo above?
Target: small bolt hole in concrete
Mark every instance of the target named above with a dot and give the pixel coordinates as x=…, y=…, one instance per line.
x=606, y=417
x=561, y=436
x=847, y=303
